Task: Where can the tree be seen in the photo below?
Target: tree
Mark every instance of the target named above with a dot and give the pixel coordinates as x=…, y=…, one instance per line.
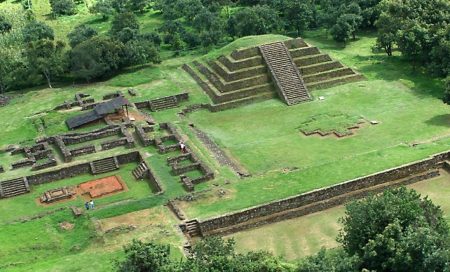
x=330, y=261
x=124, y=20
x=396, y=231
x=47, y=58
x=5, y=26
x=103, y=7
x=63, y=7
x=342, y=30
x=80, y=34
x=387, y=33
x=255, y=20
x=97, y=57
x=140, y=52
x=143, y=257
x=299, y=14
x=446, y=97
x=36, y=30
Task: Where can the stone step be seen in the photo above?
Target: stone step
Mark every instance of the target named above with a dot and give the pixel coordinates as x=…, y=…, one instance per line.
x=103, y=166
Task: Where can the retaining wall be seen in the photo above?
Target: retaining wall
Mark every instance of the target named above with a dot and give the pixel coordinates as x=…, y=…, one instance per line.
x=256, y=216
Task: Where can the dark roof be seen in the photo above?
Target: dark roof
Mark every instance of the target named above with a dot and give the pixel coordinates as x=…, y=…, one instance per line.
x=82, y=119
x=111, y=106
x=97, y=113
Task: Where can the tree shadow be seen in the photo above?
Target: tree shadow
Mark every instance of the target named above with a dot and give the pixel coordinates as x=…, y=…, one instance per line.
x=442, y=120
x=396, y=68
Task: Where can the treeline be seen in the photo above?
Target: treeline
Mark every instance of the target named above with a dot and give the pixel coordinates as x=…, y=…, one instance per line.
x=419, y=29
x=395, y=231
x=29, y=51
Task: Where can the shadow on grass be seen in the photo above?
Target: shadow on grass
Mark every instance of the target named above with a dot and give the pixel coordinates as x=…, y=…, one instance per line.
x=442, y=120
x=380, y=67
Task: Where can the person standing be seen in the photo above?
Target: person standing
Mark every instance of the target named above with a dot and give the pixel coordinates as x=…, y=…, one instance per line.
x=86, y=205
x=182, y=147
x=91, y=204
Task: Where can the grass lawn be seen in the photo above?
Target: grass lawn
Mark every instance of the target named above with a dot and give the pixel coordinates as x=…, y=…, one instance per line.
x=303, y=236
x=265, y=138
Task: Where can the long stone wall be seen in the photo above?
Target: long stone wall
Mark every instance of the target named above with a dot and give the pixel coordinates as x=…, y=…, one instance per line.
x=323, y=198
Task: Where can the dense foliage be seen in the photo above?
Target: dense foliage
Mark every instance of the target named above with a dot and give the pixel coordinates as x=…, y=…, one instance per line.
x=395, y=231
x=418, y=29
x=211, y=254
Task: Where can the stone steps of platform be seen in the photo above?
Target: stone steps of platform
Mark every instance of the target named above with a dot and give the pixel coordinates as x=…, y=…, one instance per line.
x=218, y=97
x=312, y=59
x=236, y=65
x=320, y=67
x=139, y=171
x=243, y=101
x=285, y=73
x=328, y=75
x=336, y=81
x=104, y=166
x=303, y=52
x=225, y=87
x=14, y=187
x=163, y=103
x=193, y=228
x=228, y=76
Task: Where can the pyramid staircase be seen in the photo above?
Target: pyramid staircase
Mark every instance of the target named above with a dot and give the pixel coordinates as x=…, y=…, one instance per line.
x=285, y=74
x=140, y=171
x=243, y=77
x=14, y=187
x=104, y=165
x=163, y=103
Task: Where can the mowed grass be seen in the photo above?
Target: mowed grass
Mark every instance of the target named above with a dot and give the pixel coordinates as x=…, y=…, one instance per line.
x=265, y=138
x=296, y=238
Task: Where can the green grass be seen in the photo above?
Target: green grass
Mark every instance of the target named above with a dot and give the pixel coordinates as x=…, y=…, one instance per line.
x=296, y=238
x=330, y=122
x=264, y=137
x=245, y=42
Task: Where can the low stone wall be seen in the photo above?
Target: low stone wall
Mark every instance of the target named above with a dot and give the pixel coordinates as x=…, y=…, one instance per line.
x=80, y=151
x=63, y=173
x=51, y=162
x=232, y=86
x=76, y=138
x=234, y=66
x=305, y=71
x=329, y=196
x=328, y=75
x=23, y=163
x=334, y=82
x=303, y=52
x=142, y=135
x=239, y=103
x=233, y=76
x=306, y=61
x=114, y=143
x=245, y=53
x=142, y=105
x=173, y=207
x=295, y=43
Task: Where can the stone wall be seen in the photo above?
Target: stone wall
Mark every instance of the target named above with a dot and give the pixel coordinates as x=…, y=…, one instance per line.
x=328, y=197
x=114, y=143
x=142, y=135
x=243, y=64
x=312, y=60
x=302, y=52
x=245, y=53
x=305, y=71
x=233, y=76
x=232, y=86
x=328, y=75
x=63, y=173
x=80, y=151
x=76, y=138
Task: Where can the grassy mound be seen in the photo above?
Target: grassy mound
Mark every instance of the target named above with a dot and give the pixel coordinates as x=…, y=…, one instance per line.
x=245, y=42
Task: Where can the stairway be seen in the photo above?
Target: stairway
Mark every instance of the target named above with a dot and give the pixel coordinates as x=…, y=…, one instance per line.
x=193, y=228
x=14, y=187
x=140, y=171
x=163, y=103
x=104, y=165
x=285, y=73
